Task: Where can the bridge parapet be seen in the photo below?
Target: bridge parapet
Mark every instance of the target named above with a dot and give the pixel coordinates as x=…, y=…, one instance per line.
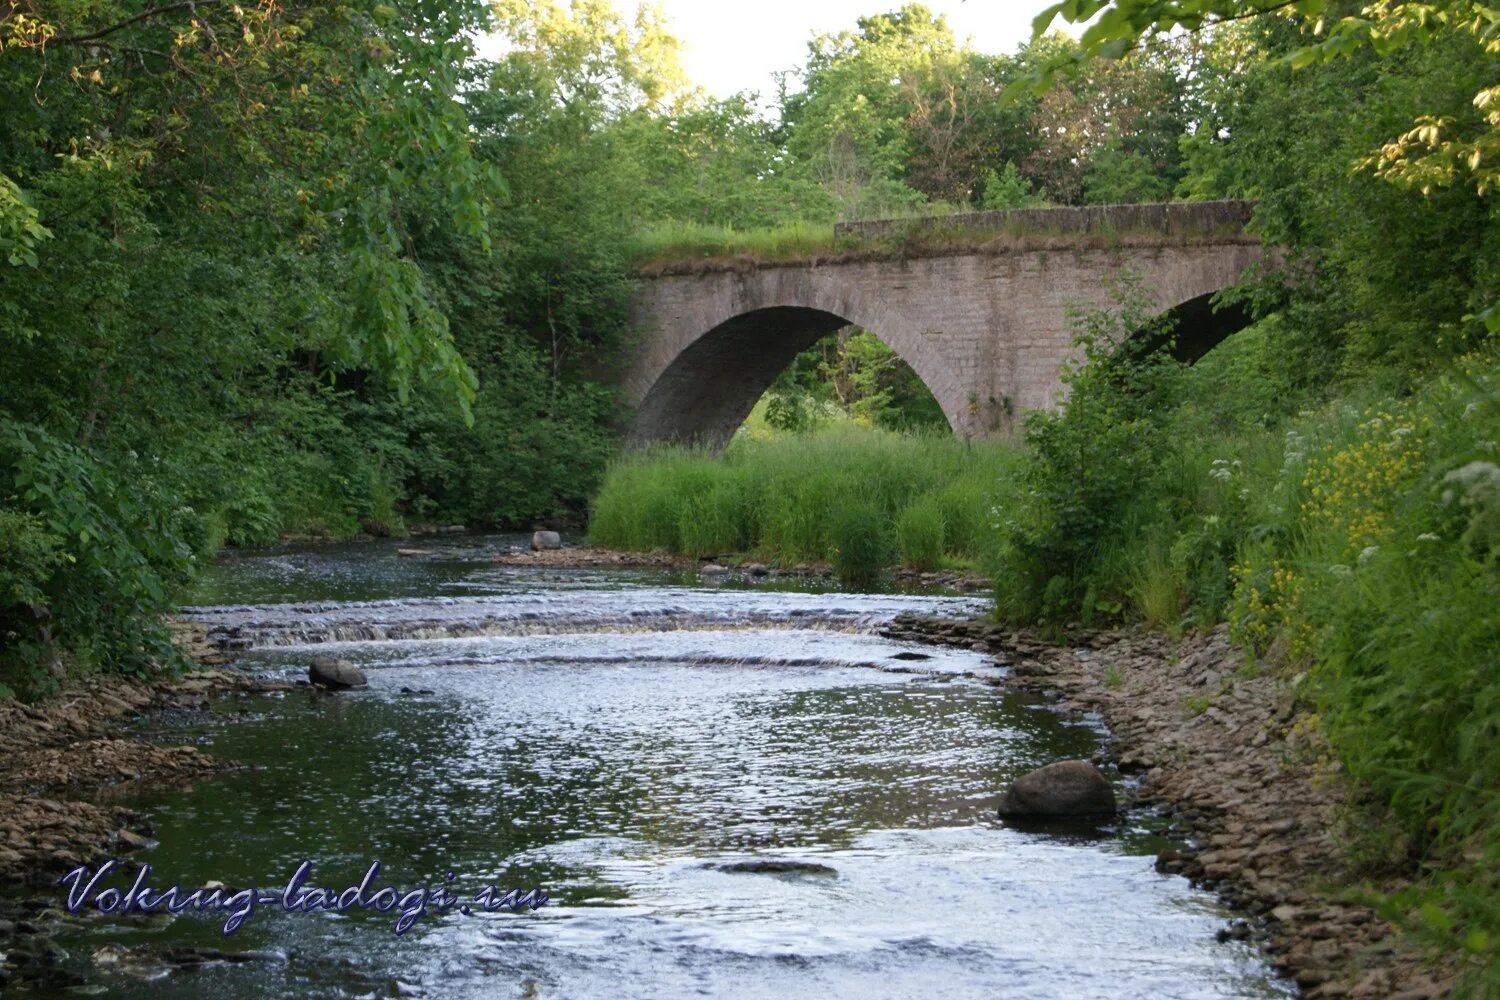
x=1227, y=218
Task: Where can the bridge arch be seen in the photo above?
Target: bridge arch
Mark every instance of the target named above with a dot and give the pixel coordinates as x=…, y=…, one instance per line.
x=707, y=390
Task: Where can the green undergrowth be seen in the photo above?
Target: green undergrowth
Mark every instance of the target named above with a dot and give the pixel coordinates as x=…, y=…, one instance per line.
x=1350, y=538
x=860, y=498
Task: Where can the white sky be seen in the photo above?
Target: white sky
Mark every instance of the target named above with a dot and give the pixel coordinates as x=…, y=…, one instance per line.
x=729, y=46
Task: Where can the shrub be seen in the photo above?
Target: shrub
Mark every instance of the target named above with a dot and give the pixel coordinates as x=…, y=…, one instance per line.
x=89, y=565
x=29, y=556
x=1089, y=465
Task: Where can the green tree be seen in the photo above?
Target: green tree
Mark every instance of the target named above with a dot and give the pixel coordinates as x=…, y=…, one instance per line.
x=216, y=317
x=847, y=126
x=1126, y=114
x=1442, y=145
x=1008, y=189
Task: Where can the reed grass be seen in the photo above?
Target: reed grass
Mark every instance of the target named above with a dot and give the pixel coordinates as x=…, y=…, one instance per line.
x=920, y=498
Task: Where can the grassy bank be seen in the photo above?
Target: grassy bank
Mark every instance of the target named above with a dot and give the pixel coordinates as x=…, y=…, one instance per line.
x=862, y=499
x=1366, y=569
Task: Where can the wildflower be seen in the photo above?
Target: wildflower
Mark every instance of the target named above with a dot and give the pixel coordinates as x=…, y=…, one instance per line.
x=1427, y=536
x=1367, y=553
x=1339, y=569
x=1475, y=473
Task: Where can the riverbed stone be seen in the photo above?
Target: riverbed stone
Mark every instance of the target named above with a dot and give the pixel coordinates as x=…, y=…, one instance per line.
x=1067, y=788
x=336, y=674
x=774, y=866
x=543, y=540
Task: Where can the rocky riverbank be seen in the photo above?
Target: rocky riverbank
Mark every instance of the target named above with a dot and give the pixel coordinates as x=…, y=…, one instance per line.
x=60, y=762
x=1230, y=752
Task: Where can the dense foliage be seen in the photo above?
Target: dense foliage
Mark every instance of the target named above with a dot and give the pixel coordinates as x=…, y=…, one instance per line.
x=271, y=269
x=897, y=118
x=1325, y=483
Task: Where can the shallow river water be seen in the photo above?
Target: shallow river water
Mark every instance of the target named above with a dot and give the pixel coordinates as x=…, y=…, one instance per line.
x=616, y=740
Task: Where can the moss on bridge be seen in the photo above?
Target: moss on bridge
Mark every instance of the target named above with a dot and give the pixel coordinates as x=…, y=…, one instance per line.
x=701, y=249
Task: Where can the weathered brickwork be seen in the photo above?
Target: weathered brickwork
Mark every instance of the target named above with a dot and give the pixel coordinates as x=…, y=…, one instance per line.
x=986, y=330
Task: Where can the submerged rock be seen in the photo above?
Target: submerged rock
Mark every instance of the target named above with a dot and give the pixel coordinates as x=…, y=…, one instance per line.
x=542, y=540
x=774, y=866
x=336, y=674
x=1066, y=788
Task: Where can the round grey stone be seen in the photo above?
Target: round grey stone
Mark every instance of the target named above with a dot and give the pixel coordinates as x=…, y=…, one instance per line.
x=1066, y=788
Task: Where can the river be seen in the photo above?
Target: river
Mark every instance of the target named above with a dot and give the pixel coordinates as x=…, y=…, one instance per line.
x=616, y=740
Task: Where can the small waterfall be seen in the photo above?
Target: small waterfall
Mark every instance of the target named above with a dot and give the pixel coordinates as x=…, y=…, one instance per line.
x=244, y=627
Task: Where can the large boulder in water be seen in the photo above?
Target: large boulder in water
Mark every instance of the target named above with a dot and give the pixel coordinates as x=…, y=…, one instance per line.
x=336, y=674
x=1065, y=789
x=541, y=540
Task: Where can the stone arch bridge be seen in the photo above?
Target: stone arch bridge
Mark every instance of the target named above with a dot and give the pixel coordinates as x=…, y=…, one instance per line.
x=981, y=314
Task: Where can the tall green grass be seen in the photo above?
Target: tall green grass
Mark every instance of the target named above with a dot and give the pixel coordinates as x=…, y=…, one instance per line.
x=920, y=531
x=857, y=497
x=672, y=240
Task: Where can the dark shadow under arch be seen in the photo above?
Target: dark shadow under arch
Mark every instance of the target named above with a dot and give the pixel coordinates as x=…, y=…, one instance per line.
x=1197, y=327
x=709, y=389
